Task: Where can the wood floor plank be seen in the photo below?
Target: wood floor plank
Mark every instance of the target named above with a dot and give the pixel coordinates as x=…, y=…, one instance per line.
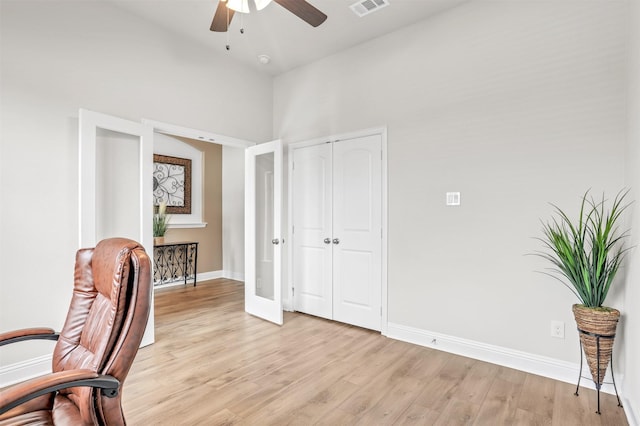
x=499, y=406
x=529, y=418
x=393, y=402
x=321, y=405
x=458, y=412
x=445, y=383
x=476, y=383
x=417, y=414
x=213, y=364
x=537, y=397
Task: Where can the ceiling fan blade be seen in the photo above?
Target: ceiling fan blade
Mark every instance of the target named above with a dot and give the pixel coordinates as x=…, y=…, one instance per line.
x=222, y=18
x=303, y=10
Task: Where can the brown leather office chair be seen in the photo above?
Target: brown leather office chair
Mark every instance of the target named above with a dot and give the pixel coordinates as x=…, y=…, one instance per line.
x=96, y=347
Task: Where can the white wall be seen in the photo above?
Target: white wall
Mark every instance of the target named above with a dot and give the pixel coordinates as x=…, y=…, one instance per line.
x=233, y=212
x=58, y=56
x=514, y=104
x=631, y=317
x=117, y=186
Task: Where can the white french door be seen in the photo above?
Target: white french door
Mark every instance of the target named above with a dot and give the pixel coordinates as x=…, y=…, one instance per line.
x=115, y=189
x=337, y=230
x=263, y=240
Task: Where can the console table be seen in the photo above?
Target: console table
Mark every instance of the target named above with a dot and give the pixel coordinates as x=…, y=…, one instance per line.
x=174, y=262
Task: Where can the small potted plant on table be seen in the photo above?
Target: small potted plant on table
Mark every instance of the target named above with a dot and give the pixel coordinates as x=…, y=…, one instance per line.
x=160, y=223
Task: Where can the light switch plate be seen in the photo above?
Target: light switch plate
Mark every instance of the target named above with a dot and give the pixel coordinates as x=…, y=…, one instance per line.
x=453, y=198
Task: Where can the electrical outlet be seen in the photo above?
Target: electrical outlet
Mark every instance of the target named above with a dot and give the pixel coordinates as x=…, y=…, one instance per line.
x=557, y=329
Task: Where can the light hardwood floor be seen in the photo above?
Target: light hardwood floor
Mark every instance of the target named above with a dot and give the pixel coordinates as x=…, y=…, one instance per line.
x=213, y=364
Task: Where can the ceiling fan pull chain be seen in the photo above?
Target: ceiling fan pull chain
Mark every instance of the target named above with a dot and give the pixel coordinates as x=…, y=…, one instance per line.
x=228, y=46
x=242, y=23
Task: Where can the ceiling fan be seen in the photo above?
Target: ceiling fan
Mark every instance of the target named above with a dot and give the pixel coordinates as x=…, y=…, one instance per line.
x=301, y=8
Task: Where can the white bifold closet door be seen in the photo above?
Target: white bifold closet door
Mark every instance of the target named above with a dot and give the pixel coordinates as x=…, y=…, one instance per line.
x=337, y=230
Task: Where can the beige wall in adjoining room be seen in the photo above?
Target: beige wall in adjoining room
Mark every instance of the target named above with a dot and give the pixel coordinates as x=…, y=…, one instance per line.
x=209, y=237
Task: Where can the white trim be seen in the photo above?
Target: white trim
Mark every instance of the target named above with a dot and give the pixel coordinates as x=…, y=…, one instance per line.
x=187, y=225
x=531, y=363
x=630, y=410
x=382, y=131
x=202, y=276
x=384, y=321
x=88, y=124
x=342, y=136
x=287, y=289
x=24, y=370
x=231, y=275
x=201, y=135
x=211, y=275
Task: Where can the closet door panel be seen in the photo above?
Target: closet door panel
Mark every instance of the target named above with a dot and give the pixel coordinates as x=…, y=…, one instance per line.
x=357, y=231
x=312, y=206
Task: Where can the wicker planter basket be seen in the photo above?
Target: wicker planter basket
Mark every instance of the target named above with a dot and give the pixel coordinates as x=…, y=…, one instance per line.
x=602, y=322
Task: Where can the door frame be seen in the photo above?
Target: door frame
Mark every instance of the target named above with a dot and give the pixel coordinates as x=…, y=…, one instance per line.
x=171, y=130
x=88, y=124
x=382, y=131
x=204, y=136
x=201, y=135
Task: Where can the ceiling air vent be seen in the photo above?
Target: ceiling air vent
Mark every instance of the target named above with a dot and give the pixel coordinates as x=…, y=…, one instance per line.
x=365, y=7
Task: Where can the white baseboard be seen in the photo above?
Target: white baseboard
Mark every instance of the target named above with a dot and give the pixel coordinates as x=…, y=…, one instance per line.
x=531, y=363
x=211, y=275
x=25, y=370
x=632, y=411
x=231, y=275
x=202, y=276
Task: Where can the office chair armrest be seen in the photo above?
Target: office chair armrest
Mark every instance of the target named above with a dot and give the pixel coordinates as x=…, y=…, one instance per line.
x=20, y=393
x=40, y=333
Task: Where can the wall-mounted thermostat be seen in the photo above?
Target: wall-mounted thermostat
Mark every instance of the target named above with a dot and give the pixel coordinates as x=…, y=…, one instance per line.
x=453, y=198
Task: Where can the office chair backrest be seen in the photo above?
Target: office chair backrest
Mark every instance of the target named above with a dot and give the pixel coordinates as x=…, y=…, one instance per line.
x=104, y=326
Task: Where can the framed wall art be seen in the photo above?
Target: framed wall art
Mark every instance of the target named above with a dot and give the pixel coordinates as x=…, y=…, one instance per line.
x=172, y=183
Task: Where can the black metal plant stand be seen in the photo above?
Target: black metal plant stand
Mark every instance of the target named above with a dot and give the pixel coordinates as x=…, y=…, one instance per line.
x=598, y=385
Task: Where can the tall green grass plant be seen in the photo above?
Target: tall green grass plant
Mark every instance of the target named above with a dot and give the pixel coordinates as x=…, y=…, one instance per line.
x=586, y=254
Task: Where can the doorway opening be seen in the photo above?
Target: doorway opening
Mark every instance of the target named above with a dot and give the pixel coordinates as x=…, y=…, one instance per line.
x=217, y=187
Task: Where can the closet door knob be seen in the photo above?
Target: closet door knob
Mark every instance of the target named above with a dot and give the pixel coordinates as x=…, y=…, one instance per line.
x=275, y=241
x=336, y=241
x=327, y=240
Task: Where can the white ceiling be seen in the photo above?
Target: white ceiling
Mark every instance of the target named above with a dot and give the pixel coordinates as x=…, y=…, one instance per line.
x=274, y=31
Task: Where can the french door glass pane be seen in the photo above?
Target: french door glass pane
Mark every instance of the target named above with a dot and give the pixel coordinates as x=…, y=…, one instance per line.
x=264, y=226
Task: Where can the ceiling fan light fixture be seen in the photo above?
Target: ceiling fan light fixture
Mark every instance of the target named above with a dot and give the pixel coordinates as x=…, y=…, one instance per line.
x=242, y=6
x=261, y=4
